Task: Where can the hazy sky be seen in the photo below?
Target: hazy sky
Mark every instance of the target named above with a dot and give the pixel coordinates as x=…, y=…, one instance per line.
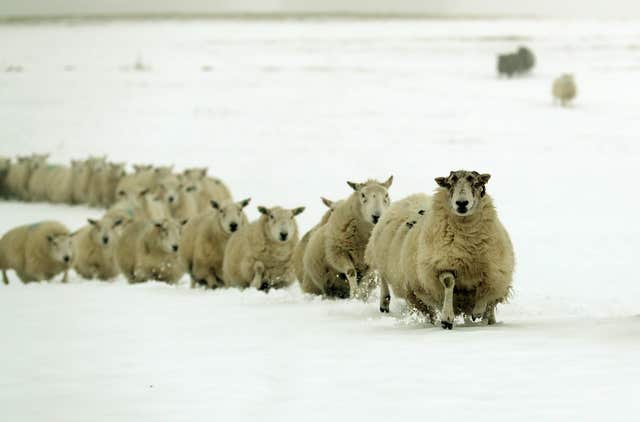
x=561, y=8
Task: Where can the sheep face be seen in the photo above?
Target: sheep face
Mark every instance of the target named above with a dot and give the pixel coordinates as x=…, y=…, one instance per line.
x=373, y=198
x=104, y=231
x=171, y=192
x=231, y=214
x=60, y=248
x=36, y=161
x=281, y=224
x=466, y=189
x=167, y=235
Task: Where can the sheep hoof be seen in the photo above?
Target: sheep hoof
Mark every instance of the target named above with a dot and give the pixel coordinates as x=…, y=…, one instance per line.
x=447, y=325
x=384, y=310
x=264, y=287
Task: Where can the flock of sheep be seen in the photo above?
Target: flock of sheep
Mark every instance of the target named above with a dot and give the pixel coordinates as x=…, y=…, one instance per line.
x=522, y=61
x=445, y=254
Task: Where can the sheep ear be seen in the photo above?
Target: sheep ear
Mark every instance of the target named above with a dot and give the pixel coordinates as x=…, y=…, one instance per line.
x=354, y=186
x=327, y=202
x=214, y=204
x=484, y=178
x=263, y=210
x=442, y=182
x=297, y=211
x=244, y=202
x=92, y=222
x=388, y=182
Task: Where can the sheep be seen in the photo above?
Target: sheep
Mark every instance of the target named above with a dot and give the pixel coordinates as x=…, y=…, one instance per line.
x=204, y=240
x=59, y=186
x=527, y=59
x=458, y=257
x=180, y=200
x=94, y=250
x=5, y=164
x=80, y=176
x=337, y=248
x=149, y=250
x=208, y=188
x=19, y=175
x=36, y=252
x=97, y=173
x=386, y=240
x=564, y=89
x=110, y=179
x=259, y=254
x=298, y=252
x=508, y=64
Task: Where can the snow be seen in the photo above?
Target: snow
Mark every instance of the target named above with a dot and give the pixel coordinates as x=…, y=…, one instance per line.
x=287, y=113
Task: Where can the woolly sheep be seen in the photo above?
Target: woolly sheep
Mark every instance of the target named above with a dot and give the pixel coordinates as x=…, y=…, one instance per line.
x=19, y=175
x=337, y=248
x=204, y=240
x=109, y=181
x=149, y=250
x=208, y=188
x=298, y=253
x=36, y=252
x=80, y=175
x=59, y=186
x=259, y=254
x=527, y=59
x=508, y=64
x=180, y=201
x=97, y=171
x=94, y=249
x=564, y=89
x=457, y=257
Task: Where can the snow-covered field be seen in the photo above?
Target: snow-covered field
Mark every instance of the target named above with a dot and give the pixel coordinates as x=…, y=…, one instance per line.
x=286, y=111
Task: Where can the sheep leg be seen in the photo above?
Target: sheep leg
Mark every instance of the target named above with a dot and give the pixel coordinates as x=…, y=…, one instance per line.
x=258, y=272
x=479, y=309
x=65, y=277
x=447, y=315
x=5, y=279
x=419, y=302
x=490, y=314
x=344, y=265
x=385, y=296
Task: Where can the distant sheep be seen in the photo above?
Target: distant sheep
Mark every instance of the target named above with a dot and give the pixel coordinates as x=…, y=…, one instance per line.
x=457, y=257
x=95, y=250
x=180, y=201
x=149, y=250
x=208, y=188
x=80, y=175
x=564, y=89
x=19, y=175
x=204, y=240
x=522, y=61
x=59, y=186
x=259, y=254
x=337, y=248
x=36, y=252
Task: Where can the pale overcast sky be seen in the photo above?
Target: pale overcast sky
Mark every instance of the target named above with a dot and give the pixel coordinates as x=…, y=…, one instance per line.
x=551, y=8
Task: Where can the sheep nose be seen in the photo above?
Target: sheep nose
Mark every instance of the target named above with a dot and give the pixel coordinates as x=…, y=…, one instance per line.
x=283, y=236
x=375, y=218
x=175, y=248
x=233, y=227
x=462, y=204
x=66, y=258
x=105, y=240
x=171, y=199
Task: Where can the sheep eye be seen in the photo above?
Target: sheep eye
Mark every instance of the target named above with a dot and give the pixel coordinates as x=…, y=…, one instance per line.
x=454, y=179
x=121, y=193
x=470, y=178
